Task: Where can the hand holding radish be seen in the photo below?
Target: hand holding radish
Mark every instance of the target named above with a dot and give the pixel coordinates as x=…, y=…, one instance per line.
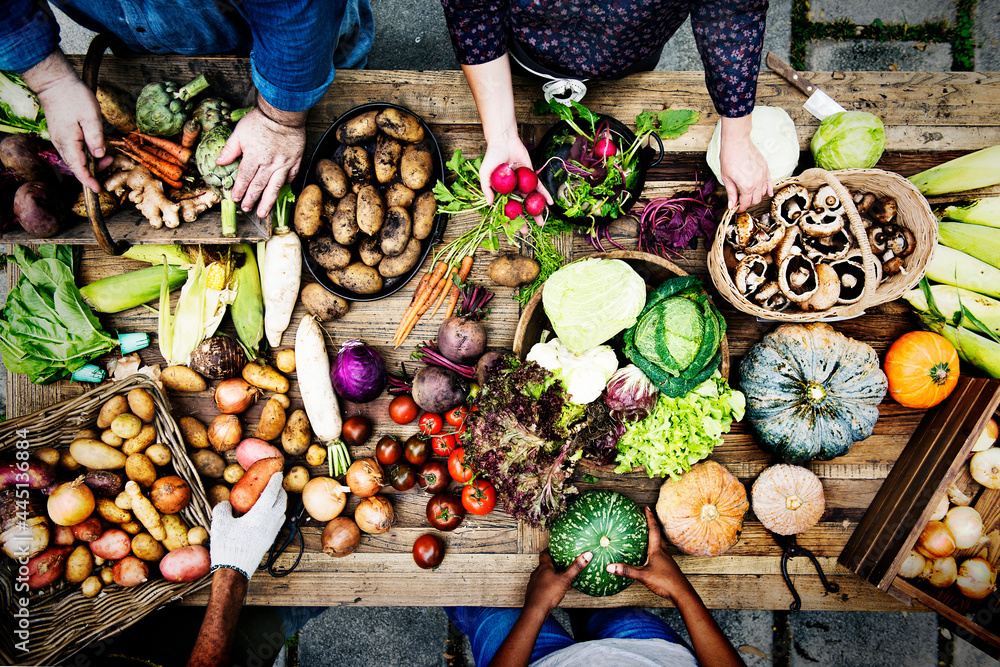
x=510, y=173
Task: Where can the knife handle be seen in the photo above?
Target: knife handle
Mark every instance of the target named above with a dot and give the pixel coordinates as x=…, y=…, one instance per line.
x=786, y=72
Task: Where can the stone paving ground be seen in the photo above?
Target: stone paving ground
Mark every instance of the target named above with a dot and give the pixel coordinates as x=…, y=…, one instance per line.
x=929, y=35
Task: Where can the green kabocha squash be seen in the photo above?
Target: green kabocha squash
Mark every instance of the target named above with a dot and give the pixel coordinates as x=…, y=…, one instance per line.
x=811, y=391
x=612, y=528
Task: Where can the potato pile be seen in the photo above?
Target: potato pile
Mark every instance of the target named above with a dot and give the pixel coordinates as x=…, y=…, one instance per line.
x=117, y=513
x=373, y=207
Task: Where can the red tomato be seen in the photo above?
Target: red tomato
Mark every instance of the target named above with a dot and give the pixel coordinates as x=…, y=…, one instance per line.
x=430, y=423
x=456, y=416
x=445, y=511
x=433, y=477
x=416, y=450
x=388, y=450
x=479, y=497
x=459, y=430
x=443, y=445
x=428, y=551
x=460, y=472
x=403, y=409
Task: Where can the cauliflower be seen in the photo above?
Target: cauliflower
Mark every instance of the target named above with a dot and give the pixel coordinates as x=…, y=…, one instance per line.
x=584, y=375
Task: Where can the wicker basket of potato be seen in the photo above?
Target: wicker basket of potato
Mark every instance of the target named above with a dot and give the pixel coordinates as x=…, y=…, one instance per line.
x=120, y=443
x=374, y=220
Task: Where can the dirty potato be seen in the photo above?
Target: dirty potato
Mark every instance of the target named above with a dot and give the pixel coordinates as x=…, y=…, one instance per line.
x=358, y=278
x=513, y=270
x=423, y=215
x=328, y=253
x=390, y=267
x=321, y=304
x=396, y=231
x=358, y=130
x=308, y=207
x=387, y=153
x=332, y=178
x=106, y=200
x=415, y=166
x=399, y=195
x=371, y=210
x=400, y=125
x=370, y=250
x=344, y=223
x=358, y=165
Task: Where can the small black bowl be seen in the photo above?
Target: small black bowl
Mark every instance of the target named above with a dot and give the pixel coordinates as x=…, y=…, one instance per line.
x=328, y=148
x=547, y=176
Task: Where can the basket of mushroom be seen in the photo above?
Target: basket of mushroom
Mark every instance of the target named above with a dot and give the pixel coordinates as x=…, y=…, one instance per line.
x=827, y=245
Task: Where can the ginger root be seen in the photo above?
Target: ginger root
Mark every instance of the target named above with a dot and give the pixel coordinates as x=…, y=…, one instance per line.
x=146, y=192
x=192, y=207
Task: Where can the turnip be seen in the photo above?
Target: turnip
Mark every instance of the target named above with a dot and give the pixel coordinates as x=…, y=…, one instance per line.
x=527, y=180
x=503, y=179
x=534, y=203
x=513, y=209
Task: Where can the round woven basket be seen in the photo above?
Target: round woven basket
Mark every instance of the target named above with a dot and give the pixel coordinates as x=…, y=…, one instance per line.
x=913, y=212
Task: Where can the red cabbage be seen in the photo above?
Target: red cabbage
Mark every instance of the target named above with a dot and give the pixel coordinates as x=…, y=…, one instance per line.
x=358, y=372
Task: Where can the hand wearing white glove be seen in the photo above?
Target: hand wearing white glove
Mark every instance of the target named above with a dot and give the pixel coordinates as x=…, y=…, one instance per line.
x=241, y=543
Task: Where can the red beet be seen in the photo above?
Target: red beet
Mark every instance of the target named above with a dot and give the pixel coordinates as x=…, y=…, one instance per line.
x=503, y=179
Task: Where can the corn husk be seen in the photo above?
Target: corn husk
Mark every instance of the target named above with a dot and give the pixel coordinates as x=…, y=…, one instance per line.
x=953, y=267
x=248, y=307
x=977, y=240
x=975, y=170
x=949, y=301
x=199, y=311
x=977, y=350
x=980, y=212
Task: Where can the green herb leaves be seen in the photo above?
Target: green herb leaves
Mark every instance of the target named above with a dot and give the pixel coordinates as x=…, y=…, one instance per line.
x=667, y=124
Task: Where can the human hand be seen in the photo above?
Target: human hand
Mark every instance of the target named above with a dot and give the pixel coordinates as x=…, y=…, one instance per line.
x=660, y=573
x=241, y=543
x=744, y=170
x=512, y=152
x=72, y=114
x=271, y=150
x=546, y=587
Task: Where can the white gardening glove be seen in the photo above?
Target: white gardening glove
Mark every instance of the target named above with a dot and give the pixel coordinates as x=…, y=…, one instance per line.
x=241, y=543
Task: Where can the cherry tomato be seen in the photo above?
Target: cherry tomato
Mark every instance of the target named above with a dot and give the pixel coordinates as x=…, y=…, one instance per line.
x=428, y=551
x=356, y=430
x=417, y=450
x=402, y=477
x=388, y=450
x=433, y=477
x=403, y=409
x=443, y=445
x=445, y=511
x=479, y=497
x=459, y=430
x=456, y=416
x=430, y=423
x=460, y=472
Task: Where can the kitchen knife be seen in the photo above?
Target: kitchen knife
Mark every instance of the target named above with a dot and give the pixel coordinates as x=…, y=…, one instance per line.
x=819, y=103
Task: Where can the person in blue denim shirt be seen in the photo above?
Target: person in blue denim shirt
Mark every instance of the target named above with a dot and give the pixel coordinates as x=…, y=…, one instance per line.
x=295, y=47
x=620, y=637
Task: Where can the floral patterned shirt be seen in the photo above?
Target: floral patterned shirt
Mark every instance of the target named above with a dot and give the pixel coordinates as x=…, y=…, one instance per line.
x=597, y=39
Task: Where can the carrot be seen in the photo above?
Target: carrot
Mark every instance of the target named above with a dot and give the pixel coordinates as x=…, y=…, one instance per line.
x=189, y=137
x=178, y=151
x=417, y=294
x=151, y=164
x=162, y=155
x=463, y=273
x=444, y=292
x=419, y=303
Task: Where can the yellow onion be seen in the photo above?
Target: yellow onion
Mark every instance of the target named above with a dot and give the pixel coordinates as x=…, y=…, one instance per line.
x=235, y=395
x=941, y=509
x=324, y=498
x=966, y=526
x=365, y=478
x=71, y=503
x=940, y=573
x=374, y=515
x=341, y=537
x=976, y=578
x=936, y=541
x=912, y=565
x=985, y=467
x=225, y=432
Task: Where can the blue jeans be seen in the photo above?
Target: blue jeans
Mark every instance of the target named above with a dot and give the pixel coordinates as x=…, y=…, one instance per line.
x=487, y=627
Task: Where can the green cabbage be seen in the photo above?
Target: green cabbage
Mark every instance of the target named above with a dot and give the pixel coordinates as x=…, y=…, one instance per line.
x=590, y=301
x=849, y=140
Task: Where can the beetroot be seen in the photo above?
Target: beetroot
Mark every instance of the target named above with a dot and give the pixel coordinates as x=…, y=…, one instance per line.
x=527, y=180
x=461, y=340
x=534, y=203
x=513, y=208
x=503, y=179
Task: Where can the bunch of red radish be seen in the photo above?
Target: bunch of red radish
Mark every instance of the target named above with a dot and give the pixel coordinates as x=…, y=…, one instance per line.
x=505, y=180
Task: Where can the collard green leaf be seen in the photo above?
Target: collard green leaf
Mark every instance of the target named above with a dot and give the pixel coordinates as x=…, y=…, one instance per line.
x=673, y=123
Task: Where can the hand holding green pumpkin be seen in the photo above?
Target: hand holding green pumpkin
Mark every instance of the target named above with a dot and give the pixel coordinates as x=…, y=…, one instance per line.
x=660, y=573
x=546, y=587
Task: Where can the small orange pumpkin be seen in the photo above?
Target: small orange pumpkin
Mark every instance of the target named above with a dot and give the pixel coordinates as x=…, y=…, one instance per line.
x=788, y=499
x=702, y=512
x=922, y=369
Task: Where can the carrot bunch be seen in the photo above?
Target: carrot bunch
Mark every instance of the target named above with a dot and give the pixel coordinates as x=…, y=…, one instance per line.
x=432, y=289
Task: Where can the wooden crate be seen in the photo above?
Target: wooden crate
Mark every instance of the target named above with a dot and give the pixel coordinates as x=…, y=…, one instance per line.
x=935, y=457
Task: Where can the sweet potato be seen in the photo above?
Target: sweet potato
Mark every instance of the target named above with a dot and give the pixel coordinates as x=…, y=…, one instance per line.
x=186, y=564
x=272, y=422
x=308, y=207
x=45, y=568
x=246, y=491
x=37, y=207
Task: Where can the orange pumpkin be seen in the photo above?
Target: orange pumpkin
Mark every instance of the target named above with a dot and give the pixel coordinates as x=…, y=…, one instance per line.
x=922, y=369
x=702, y=512
x=788, y=499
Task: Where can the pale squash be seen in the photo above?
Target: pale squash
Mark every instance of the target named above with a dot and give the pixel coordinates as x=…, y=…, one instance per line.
x=788, y=499
x=702, y=511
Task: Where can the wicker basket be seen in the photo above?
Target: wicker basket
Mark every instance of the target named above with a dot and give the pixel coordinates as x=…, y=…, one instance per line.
x=913, y=213
x=61, y=620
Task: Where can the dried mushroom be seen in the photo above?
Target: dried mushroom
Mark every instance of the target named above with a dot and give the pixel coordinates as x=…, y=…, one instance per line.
x=751, y=273
x=827, y=290
x=789, y=203
x=828, y=248
x=797, y=278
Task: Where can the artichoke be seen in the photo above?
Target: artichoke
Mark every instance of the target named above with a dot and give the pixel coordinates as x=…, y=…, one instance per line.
x=211, y=111
x=162, y=107
x=219, y=176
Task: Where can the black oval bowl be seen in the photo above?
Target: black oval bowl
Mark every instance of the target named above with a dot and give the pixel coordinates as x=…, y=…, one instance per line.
x=329, y=147
x=547, y=177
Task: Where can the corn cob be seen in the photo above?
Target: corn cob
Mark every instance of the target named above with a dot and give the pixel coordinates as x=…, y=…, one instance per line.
x=975, y=170
x=953, y=267
x=980, y=212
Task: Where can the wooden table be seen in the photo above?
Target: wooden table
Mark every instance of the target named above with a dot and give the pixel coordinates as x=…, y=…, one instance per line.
x=929, y=117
